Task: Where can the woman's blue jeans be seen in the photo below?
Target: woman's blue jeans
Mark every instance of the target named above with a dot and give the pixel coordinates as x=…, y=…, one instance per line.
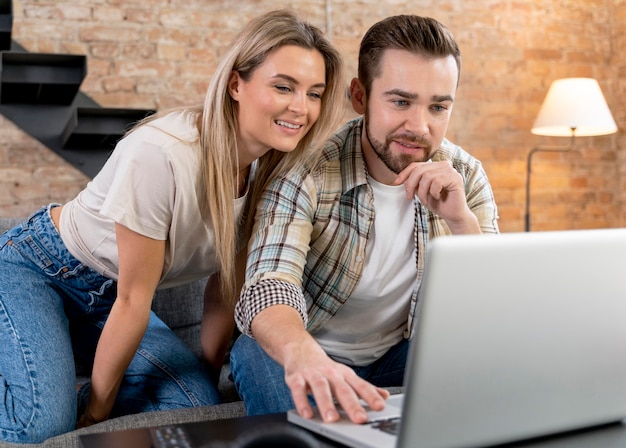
x=260, y=380
x=52, y=307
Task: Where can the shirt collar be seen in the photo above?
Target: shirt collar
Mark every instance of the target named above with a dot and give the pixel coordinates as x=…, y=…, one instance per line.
x=353, y=168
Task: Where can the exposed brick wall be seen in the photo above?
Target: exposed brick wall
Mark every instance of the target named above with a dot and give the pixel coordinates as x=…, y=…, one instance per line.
x=161, y=53
x=31, y=175
x=618, y=63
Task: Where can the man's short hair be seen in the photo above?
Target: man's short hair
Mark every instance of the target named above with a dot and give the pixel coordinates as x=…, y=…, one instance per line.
x=422, y=36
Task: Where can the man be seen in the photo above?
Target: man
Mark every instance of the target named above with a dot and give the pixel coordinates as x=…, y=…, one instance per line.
x=337, y=256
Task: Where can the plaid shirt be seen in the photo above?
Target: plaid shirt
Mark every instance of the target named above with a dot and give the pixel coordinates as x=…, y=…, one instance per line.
x=308, y=246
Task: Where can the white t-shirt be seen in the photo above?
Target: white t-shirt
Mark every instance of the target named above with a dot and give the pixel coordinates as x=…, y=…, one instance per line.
x=373, y=319
x=148, y=185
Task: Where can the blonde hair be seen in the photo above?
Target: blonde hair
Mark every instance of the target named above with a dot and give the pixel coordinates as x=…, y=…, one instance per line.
x=260, y=37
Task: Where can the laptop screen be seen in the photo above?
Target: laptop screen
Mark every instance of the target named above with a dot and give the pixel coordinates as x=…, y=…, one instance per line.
x=518, y=335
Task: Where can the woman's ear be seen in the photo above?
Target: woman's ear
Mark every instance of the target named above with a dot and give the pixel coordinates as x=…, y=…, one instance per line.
x=233, y=84
x=357, y=96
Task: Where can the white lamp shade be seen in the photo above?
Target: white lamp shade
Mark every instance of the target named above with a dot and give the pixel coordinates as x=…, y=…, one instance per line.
x=574, y=104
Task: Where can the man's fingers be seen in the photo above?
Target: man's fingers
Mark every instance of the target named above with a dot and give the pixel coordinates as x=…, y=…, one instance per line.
x=349, y=401
x=402, y=176
x=358, y=391
x=322, y=390
x=318, y=386
x=332, y=386
x=375, y=397
x=300, y=396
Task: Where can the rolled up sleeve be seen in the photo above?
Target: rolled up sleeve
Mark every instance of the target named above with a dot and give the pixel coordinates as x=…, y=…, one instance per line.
x=277, y=250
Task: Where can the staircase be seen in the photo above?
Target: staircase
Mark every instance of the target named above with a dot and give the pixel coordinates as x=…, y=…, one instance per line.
x=40, y=93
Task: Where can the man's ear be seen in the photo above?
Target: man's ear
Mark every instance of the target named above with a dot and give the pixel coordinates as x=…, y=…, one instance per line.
x=357, y=96
x=233, y=84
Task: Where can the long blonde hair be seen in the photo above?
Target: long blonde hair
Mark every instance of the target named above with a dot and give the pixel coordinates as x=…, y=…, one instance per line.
x=261, y=36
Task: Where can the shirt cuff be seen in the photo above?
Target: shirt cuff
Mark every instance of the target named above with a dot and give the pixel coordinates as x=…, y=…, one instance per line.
x=264, y=294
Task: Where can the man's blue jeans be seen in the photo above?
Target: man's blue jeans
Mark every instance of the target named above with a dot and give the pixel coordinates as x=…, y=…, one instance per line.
x=52, y=306
x=260, y=380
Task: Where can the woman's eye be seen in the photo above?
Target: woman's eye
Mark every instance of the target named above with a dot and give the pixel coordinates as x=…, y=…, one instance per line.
x=315, y=95
x=284, y=88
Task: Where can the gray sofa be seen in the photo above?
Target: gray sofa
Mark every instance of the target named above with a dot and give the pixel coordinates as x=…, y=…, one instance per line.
x=181, y=309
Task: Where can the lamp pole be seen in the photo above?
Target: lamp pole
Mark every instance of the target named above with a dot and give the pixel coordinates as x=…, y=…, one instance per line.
x=528, y=170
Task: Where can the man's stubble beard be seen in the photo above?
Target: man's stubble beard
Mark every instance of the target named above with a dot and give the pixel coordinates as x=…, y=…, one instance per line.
x=395, y=163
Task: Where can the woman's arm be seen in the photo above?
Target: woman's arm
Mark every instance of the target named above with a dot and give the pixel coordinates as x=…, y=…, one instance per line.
x=140, y=267
x=218, y=321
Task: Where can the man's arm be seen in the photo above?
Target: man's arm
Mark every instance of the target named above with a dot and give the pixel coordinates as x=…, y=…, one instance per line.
x=279, y=330
x=273, y=309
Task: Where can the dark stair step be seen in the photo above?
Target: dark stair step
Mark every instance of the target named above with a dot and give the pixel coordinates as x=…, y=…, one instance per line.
x=40, y=78
x=99, y=127
x=6, y=24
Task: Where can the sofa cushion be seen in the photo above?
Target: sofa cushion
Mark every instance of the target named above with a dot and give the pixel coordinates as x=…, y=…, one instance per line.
x=180, y=308
x=8, y=223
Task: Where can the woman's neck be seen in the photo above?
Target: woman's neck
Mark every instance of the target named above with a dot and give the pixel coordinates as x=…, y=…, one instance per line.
x=241, y=180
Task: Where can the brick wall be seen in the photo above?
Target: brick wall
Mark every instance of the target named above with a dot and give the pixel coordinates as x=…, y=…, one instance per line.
x=161, y=53
x=31, y=175
x=618, y=92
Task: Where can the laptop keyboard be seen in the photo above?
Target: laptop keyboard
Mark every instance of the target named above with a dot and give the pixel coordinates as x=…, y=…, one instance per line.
x=388, y=425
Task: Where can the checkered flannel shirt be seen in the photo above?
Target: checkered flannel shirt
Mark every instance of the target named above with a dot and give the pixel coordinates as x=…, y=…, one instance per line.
x=308, y=246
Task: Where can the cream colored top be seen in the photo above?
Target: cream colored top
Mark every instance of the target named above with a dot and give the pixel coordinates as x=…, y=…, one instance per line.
x=149, y=186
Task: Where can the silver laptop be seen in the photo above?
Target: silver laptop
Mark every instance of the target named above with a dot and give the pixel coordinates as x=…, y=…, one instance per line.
x=519, y=335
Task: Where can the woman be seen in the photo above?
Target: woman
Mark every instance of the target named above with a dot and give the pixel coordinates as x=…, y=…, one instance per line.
x=165, y=209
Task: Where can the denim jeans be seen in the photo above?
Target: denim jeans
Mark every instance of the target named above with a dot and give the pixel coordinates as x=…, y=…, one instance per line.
x=260, y=380
x=52, y=307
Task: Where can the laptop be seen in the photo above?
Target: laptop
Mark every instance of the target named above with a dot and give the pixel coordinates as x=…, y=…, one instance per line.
x=519, y=336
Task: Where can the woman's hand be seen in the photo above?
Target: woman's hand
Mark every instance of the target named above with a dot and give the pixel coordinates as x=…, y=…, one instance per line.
x=86, y=420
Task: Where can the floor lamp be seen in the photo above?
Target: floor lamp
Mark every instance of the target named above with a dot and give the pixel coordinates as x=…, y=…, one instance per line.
x=573, y=107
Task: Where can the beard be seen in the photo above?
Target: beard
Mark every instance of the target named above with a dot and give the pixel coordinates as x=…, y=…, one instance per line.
x=396, y=163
